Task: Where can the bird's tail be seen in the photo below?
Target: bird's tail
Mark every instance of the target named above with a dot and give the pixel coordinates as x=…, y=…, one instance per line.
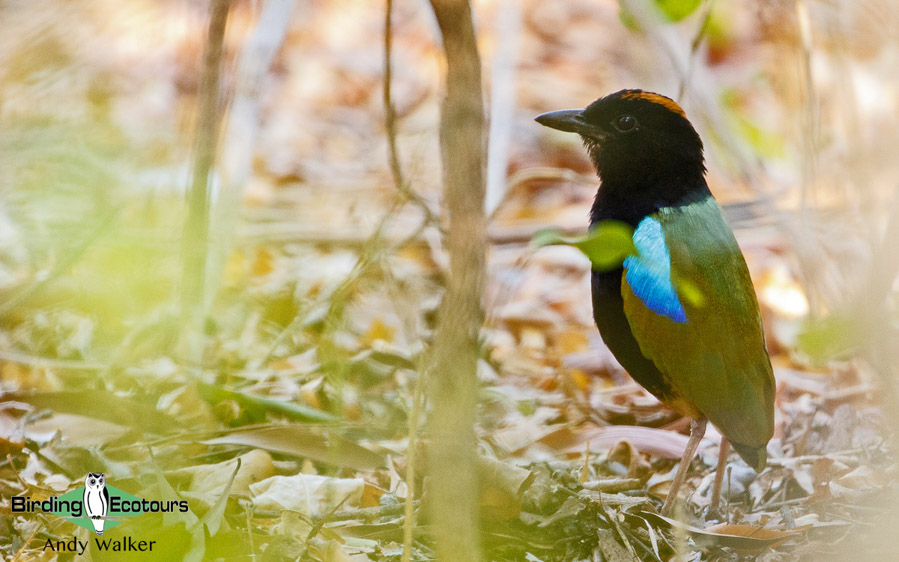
x=756, y=457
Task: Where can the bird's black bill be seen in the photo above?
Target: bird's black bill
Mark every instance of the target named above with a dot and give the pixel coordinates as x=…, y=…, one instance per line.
x=568, y=120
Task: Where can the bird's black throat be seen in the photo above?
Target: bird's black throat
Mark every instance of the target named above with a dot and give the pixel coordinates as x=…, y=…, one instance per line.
x=631, y=202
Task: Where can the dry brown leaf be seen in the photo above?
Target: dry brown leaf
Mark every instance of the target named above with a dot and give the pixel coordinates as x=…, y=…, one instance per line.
x=528, y=314
x=657, y=442
x=116, y=409
x=311, y=390
x=498, y=474
x=625, y=453
x=771, y=536
x=521, y=431
x=371, y=495
x=310, y=494
x=572, y=341
x=8, y=447
x=744, y=538
x=255, y=465
x=613, y=485
x=78, y=430
x=263, y=264
x=580, y=380
x=498, y=504
x=378, y=330
x=862, y=478
x=609, y=548
x=318, y=444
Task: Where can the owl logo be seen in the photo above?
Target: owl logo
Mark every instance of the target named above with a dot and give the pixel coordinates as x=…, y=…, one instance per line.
x=96, y=500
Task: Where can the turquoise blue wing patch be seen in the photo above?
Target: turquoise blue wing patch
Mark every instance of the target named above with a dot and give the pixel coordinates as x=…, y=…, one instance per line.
x=649, y=273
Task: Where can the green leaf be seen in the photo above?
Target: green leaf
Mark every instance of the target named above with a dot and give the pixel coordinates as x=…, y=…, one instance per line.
x=606, y=245
x=765, y=142
x=676, y=10
x=831, y=337
x=261, y=404
x=670, y=11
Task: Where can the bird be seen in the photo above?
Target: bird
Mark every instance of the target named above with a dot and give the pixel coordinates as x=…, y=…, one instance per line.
x=680, y=313
x=96, y=500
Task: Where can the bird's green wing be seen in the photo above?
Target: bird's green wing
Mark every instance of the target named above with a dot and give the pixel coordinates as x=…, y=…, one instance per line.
x=697, y=318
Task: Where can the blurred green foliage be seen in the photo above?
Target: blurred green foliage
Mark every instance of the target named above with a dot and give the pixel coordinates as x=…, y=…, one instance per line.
x=606, y=245
x=670, y=10
x=833, y=337
x=766, y=143
x=676, y=10
x=90, y=240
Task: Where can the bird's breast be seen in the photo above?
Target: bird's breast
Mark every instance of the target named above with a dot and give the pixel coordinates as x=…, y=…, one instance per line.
x=608, y=313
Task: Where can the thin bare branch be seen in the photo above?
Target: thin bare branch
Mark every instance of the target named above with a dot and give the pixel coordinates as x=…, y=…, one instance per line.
x=502, y=100
x=241, y=131
x=196, y=229
x=399, y=178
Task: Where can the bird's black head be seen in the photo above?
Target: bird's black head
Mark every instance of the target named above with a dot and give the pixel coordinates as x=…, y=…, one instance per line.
x=634, y=138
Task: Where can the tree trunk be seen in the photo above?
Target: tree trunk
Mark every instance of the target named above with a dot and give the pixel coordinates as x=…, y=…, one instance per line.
x=453, y=483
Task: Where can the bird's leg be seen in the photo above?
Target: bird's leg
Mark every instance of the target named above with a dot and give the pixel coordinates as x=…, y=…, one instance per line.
x=719, y=476
x=697, y=431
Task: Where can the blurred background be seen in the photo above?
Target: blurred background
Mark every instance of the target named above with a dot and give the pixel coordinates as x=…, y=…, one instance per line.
x=322, y=278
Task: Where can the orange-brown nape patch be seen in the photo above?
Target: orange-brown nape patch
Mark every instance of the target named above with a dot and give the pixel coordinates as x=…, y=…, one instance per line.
x=667, y=103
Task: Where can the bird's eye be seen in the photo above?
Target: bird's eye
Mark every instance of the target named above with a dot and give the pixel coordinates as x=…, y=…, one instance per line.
x=625, y=123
